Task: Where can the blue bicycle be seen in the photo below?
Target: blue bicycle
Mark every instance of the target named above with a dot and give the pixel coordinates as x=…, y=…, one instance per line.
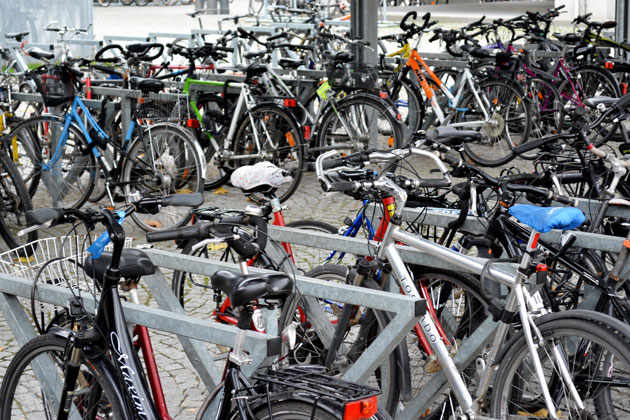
x=70, y=153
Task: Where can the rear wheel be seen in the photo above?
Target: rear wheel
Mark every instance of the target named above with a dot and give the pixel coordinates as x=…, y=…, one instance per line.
x=162, y=161
x=272, y=133
x=509, y=124
x=306, y=258
x=364, y=327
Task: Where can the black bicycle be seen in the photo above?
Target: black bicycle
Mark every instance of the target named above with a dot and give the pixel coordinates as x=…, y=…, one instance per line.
x=92, y=370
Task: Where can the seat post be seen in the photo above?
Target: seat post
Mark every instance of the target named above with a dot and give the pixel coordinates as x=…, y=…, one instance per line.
x=237, y=356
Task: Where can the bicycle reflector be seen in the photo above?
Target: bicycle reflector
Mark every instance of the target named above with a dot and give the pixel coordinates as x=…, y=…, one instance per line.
x=361, y=409
x=193, y=123
x=290, y=103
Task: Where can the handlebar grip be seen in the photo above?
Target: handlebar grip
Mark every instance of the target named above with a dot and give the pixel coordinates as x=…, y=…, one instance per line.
x=224, y=49
x=451, y=160
x=434, y=183
x=198, y=231
x=44, y=215
x=185, y=200
x=277, y=36
x=434, y=37
x=532, y=144
x=343, y=186
x=403, y=23
x=564, y=199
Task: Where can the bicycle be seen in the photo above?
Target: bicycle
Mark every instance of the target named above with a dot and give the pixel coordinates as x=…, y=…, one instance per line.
x=506, y=400
x=67, y=158
x=90, y=385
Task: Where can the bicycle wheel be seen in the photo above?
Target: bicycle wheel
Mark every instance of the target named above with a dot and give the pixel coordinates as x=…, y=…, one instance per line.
x=306, y=258
x=162, y=160
x=67, y=183
x=546, y=108
x=410, y=104
x=509, y=124
x=25, y=395
x=363, y=328
x=586, y=82
x=104, y=3
x=360, y=122
x=598, y=364
x=271, y=132
x=142, y=2
x=15, y=201
x=127, y=2
x=460, y=308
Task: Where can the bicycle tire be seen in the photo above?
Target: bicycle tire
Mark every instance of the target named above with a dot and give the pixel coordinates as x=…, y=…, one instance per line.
x=104, y=3
x=608, y=350
x=161, y=161
x=496, y=146
x=371, y=115
x=52, y=350
x=591, y=80
x=76, y=166
x=282, y=143
x=127, y=2
x=305, y=257
x=547, y=110
x=410, y=104
x=141, y=2
x=15, y=202
x=385, y=377
x=466, y=303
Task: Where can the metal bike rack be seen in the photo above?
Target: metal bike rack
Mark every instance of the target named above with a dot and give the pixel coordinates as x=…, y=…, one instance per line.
x=193, y=332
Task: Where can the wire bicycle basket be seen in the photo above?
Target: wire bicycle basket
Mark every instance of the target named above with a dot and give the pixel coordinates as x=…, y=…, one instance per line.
x=54, y=261
x=57, y=86
x=352, y=75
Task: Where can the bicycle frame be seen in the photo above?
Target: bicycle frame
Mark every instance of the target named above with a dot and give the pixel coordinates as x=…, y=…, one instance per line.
x=518, y=300
x=245, y=103
x=418, y=65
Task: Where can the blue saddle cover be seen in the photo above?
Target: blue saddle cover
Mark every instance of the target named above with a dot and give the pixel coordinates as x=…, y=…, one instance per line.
x=543, y=219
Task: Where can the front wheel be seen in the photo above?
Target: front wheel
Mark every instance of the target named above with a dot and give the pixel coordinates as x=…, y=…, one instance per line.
x=163, y=160
x=269, y=133
x=598, y=363
x=32, y=384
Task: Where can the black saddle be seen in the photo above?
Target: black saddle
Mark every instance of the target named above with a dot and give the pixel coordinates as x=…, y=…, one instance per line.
x=596, y=100
x=478, y=52
x=451, y=136
x=145, y=84
x=39, y=54
x=568, y=38
x=18, y=36
x=133, y=264
x=290, y=63
x=244, y=289
x=338, y=56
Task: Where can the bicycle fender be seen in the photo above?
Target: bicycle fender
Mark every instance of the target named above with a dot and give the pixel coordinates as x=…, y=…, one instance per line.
x=621, y=328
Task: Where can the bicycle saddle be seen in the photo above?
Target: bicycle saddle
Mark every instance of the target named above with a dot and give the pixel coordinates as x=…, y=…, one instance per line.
x=133, y=264
x=290, y=63
x=338, y=56
x=18, y=36
x=568, y=38
x=254, y=54
x=262, y=177
x=451, y=136
x=39, y=54
x=253, y=69
x=596, y=100
x=478, y=52
x=244, y=289
x=544, y=219
x=145, y=84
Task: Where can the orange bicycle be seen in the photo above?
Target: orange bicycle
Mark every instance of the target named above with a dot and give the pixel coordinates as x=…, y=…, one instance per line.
x=497, y=108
